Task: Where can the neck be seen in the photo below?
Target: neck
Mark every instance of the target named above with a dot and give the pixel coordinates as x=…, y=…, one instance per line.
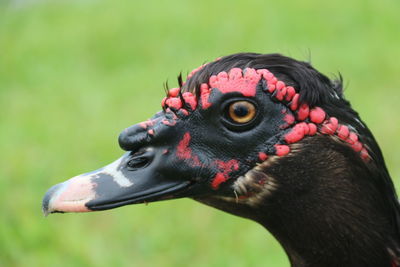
x=331, y=235
x=326, y=212
x=330, y=212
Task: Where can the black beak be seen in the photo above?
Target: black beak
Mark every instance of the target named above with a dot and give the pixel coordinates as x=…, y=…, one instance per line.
x=115, y=185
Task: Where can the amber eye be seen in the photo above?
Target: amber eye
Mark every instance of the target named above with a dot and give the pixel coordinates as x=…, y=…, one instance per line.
x=241, y=111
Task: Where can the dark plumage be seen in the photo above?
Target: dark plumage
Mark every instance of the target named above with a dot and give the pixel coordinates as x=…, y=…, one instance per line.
x=264, y=137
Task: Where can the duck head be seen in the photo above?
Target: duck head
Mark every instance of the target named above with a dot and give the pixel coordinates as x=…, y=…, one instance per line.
x=264, y=137
x=211, y=132
x=215, y=135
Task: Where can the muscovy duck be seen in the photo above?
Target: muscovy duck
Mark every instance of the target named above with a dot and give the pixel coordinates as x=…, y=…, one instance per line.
x=264, y=137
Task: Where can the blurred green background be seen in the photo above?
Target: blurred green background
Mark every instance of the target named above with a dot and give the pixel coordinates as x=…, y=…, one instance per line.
x=73, y=74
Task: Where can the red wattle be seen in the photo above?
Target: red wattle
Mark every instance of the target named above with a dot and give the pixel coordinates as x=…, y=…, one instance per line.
x=343, y=132
x=317, y=115
x=282, y=150
x=174, y=102
x=295, y=102
x=262, y=156
x=173, y=92
x=303, y=112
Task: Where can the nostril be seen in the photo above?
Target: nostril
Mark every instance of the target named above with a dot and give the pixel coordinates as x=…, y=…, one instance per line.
x=138, y=163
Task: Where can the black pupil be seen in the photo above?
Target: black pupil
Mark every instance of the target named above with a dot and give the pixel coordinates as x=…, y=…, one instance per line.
x=241, y=110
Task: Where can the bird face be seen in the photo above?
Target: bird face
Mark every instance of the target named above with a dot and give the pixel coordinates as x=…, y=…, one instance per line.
x=197, y=146
x=208, y=142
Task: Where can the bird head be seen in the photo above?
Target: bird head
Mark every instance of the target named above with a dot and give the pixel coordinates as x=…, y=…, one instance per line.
x=218, y=135
x=264, y=137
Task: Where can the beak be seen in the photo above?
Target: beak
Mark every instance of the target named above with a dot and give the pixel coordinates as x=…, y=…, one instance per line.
x=113, y=186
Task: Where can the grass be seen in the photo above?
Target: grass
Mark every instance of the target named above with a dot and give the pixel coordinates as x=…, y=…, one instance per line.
x=74, y=73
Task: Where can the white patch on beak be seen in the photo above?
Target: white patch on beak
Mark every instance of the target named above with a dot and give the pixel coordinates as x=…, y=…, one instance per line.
x=75, y=193
x=112, y=170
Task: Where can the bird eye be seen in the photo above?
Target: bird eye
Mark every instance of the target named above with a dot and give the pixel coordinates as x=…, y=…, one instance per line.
x=241, y=112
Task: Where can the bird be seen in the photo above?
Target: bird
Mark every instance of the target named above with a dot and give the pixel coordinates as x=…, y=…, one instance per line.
x=265, y=137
